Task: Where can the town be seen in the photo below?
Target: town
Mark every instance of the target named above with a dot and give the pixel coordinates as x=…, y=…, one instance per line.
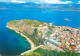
x=47, y=36
x=62, y=37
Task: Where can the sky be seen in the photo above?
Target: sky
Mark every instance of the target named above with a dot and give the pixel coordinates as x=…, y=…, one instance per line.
x=45, y=1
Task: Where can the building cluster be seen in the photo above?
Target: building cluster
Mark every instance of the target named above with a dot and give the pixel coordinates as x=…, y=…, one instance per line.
x=68, y=36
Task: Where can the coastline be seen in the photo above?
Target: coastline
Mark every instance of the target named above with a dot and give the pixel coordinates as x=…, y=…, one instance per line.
x=31, y=43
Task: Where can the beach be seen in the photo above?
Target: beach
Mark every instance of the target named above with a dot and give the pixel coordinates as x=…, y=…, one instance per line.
x=31, y=43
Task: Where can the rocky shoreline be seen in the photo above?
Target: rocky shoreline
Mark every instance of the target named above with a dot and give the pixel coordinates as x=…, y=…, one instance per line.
x=31, y=43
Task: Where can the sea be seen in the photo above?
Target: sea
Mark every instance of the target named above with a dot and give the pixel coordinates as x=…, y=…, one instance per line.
x=12, y=43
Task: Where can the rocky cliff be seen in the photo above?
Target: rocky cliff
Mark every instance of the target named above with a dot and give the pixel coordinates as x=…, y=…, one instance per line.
x=24, y=25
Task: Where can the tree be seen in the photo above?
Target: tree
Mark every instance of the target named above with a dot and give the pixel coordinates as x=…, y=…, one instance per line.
x=35, y=32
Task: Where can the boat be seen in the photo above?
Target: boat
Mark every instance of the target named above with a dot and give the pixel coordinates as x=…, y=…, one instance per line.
x=67, y=19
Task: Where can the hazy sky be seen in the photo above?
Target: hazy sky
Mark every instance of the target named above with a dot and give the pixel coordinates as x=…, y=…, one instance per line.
x=44, y=1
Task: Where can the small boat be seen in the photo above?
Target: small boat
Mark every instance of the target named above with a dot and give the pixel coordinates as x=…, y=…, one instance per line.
x=67, y=19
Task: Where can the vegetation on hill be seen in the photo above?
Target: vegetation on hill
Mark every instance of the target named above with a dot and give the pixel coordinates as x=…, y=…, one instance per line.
x=32, y=37
x=28, y=28
x=67, y=30
x=28, y=22
x=44, y=52
x=32, y=54
x=35, y=40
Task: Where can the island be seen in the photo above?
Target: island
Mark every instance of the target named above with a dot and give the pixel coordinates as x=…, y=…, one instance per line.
x=47, y=39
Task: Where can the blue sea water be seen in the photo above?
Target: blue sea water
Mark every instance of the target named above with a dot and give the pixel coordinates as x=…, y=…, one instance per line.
x=13, y=44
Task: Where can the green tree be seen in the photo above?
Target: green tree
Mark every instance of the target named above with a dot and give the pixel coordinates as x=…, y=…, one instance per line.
x=35, y=32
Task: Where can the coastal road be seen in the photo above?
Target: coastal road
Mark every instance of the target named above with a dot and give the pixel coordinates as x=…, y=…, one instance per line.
x=32, y=49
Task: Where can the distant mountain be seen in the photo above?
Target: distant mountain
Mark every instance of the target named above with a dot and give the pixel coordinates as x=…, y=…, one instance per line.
x=32, y=5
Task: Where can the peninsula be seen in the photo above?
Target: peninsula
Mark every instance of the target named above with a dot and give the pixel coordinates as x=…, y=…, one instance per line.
x=47, y=36
x=30, y=29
